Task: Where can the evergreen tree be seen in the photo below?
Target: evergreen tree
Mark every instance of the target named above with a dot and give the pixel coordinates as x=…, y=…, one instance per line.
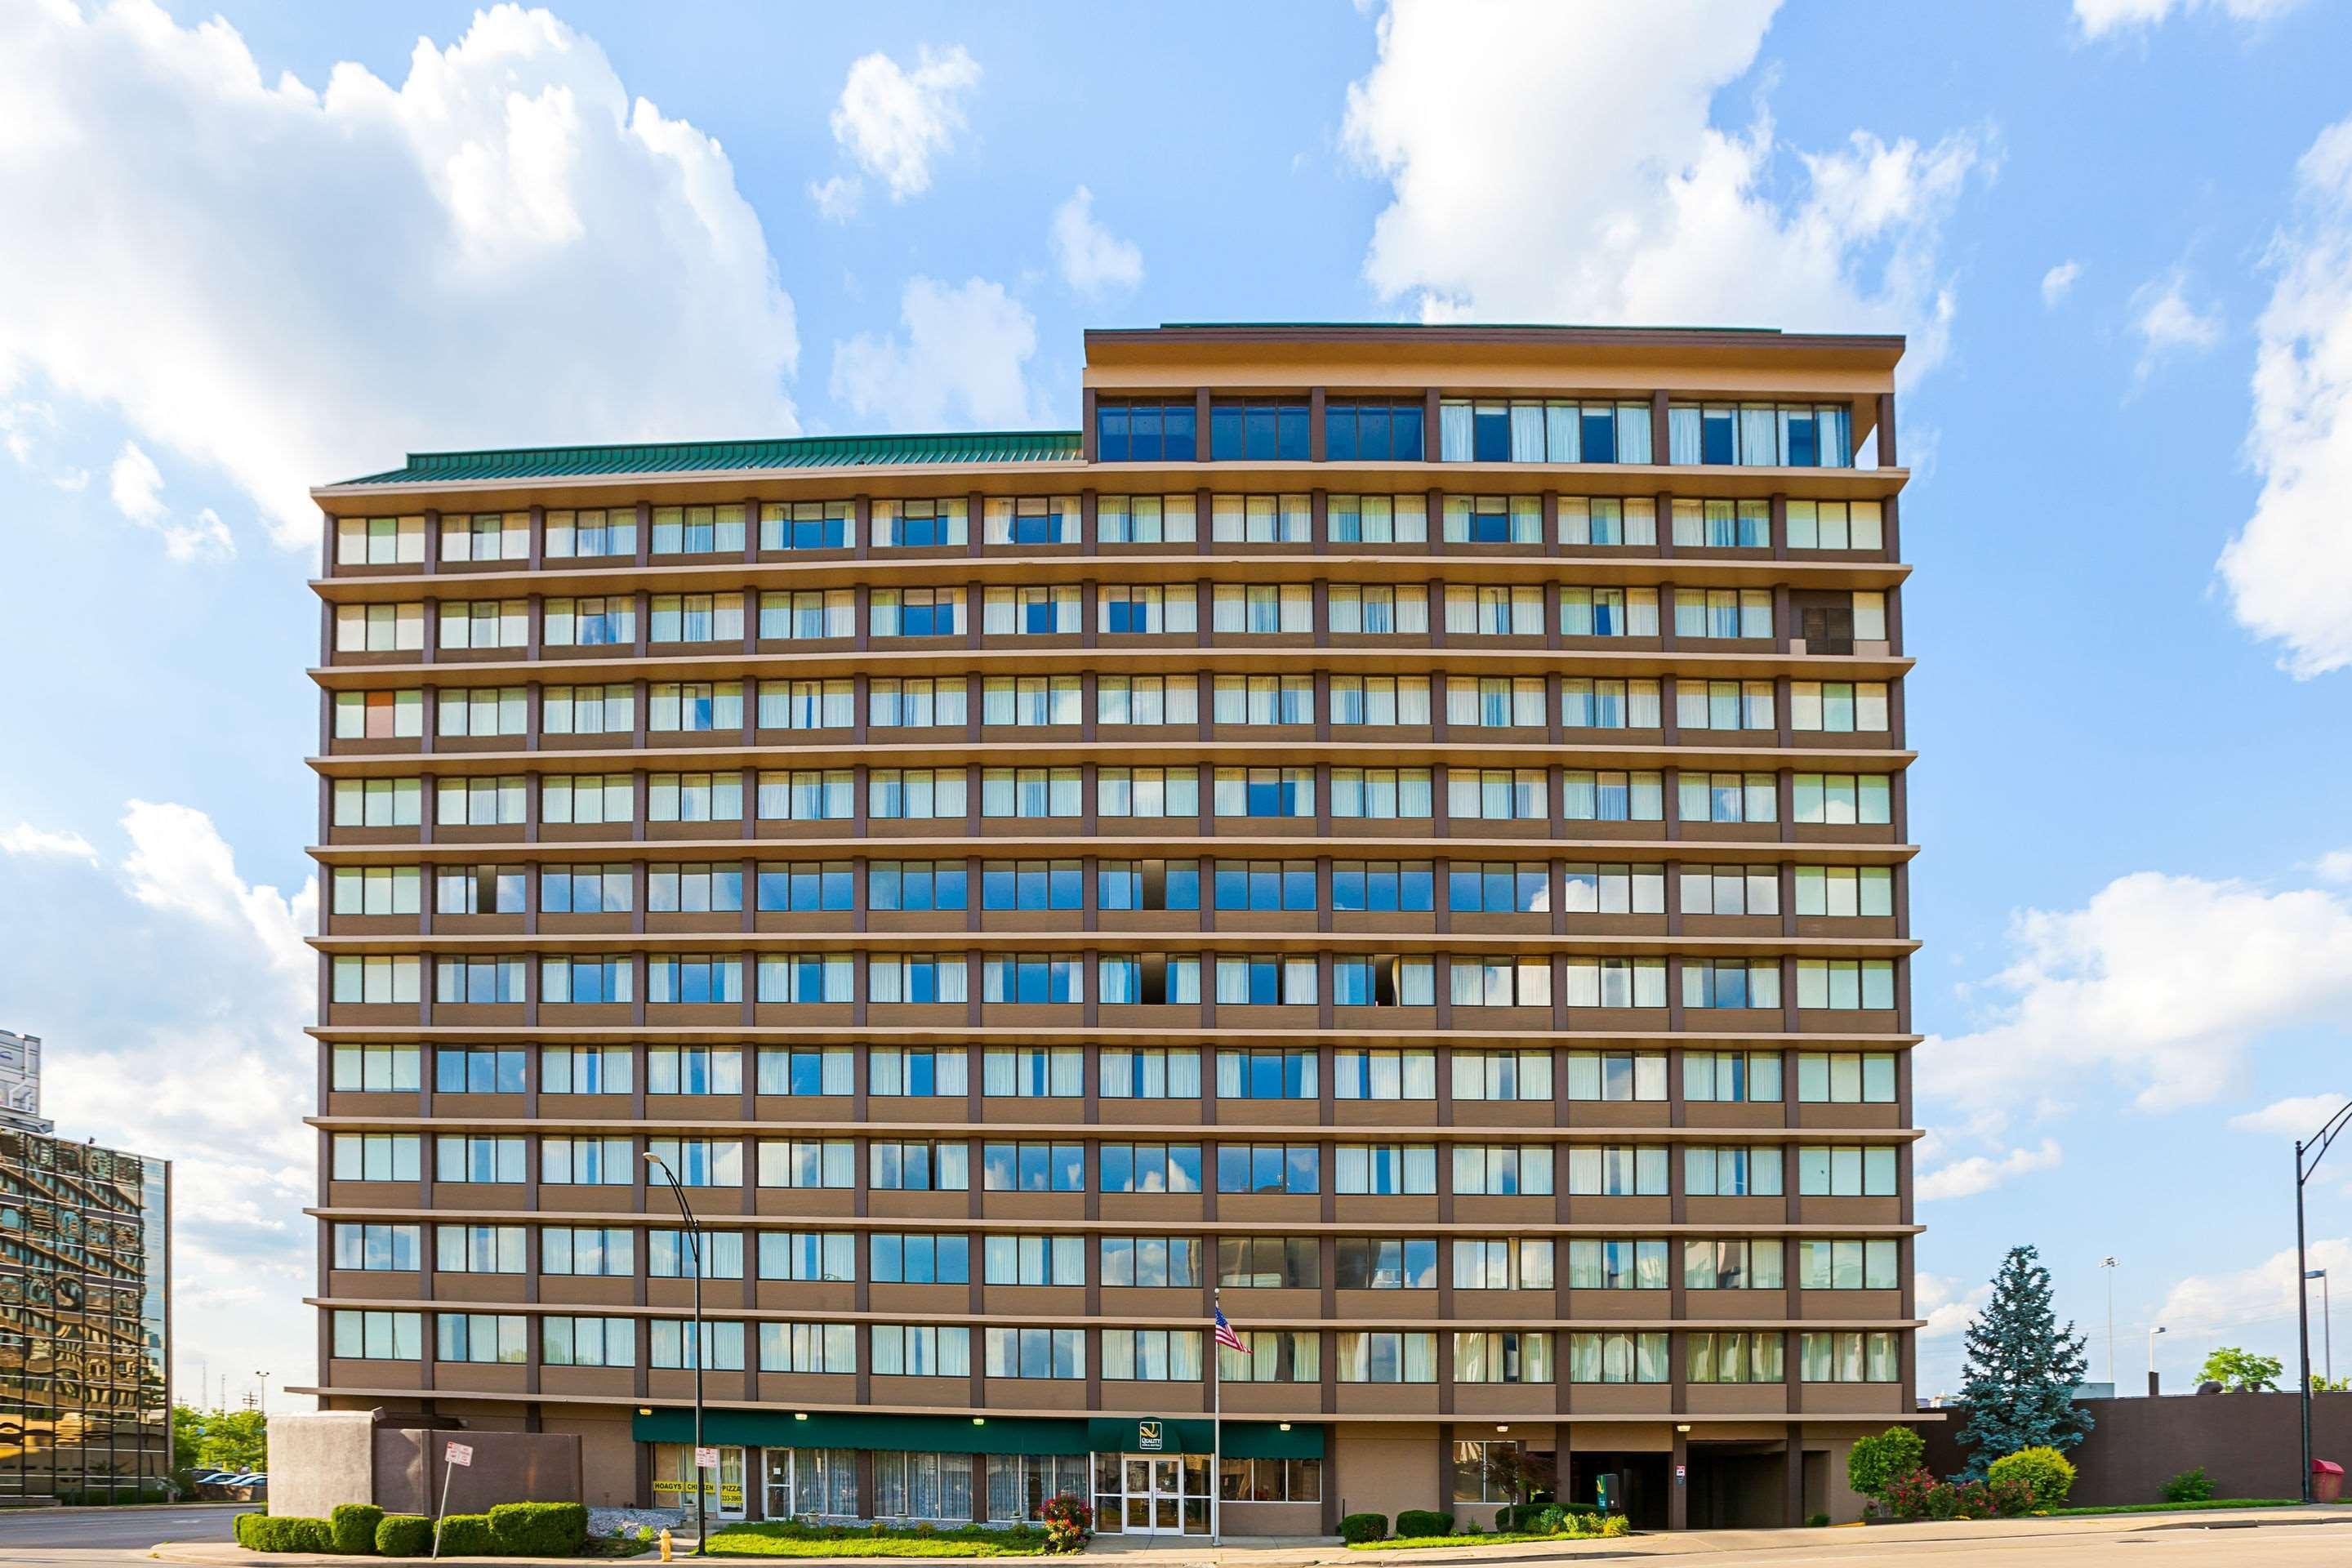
x=2021, y=1370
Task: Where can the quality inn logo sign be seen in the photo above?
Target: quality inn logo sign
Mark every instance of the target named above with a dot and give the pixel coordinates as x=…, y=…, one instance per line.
x=1146, y=1436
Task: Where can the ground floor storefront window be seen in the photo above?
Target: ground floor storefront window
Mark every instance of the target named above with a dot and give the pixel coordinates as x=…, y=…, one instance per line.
x=1019, y=1485
x=1271, y=1480
x=1151, y=1494
x=815, y=1483
x=674, y=1480
x=936, y=1486
x=1494, y=1471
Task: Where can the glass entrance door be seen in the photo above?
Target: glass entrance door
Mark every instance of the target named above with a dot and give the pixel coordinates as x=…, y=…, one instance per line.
x=1164, y=1495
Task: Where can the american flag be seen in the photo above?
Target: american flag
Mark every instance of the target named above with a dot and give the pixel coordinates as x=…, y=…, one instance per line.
x=1225, y=1335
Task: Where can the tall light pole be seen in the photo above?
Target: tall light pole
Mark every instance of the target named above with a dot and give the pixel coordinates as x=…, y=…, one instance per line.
x=265, y=1391
x=2315, y=1147
x=2326, y=1319
x=2109, y=1264
x=2151, y=1356
x=694, y=1243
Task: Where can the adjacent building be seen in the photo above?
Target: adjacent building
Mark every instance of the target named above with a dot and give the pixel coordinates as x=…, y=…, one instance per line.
x=85, y=1304
x=1404, y=826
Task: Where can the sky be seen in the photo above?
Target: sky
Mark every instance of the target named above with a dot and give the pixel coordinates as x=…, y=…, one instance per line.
x=257, y=249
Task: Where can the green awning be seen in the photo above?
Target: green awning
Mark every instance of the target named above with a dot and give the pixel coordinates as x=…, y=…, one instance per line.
x=993, y=1434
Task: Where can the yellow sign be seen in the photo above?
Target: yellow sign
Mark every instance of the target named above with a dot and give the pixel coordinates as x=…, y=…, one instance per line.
x=1146, y=1436
x=728, y=1497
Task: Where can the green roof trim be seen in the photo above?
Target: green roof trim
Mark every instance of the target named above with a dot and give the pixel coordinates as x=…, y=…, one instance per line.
x=977, y=446
x=994, y=1435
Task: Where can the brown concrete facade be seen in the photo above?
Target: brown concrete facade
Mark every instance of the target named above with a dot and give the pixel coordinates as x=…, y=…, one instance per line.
x=1451, y=798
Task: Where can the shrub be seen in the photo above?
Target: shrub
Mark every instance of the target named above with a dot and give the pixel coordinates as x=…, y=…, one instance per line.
x=353, y=1526
x=1069, y=1523
x=2190, y=1486
x=403, y=1535
x=1472, y=1527
x=1552, y=1519
x=1817, y=1520
x=1877, y=1462
x=1616, y=1524
x=1919, y=1495
x=467, y=1535
x=539, y=1529
x=1418, y=1521
x=1358, y=1527
x=283, y=1532
x=2045, y=1473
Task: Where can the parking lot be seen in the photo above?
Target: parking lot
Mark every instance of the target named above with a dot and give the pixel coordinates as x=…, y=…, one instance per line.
x=37, y=1538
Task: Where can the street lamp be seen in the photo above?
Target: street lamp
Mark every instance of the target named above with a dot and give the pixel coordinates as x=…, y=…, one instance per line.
x=694, y=1244
x=2327, y=1318
x=2317, y=1147
x=2109, y=1264
x=265, y=1392
x=2151, y=1356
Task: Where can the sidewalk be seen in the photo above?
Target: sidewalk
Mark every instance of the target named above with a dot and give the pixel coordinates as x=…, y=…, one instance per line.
x=1290, y=1552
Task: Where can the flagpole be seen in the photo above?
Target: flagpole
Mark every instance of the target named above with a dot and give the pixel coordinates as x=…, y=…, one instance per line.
x=1217, y=1420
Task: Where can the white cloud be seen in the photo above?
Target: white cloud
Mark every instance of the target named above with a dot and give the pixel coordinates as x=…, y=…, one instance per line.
x=1093, y=259
x=1982, y=1173
x=2336, y=866
x=26, y=427
x=2262, y=1294
x=1947, y=1307
x=296, y=284
x=2099, y=17
x=959, y=362
x=2164, y=984
x=137, y=487
x=894, y=122
x=837, y=197
x=27, y=839
x=2296, y=1117
x=2289, y=570
x=2168, y=323
x=2058, y=282
x=1591, y=183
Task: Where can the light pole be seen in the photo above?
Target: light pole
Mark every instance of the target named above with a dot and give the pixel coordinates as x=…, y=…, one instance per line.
x=2151, y=1356
x=2109, y=1264
x=265, y=1392
x=694, y=1243
x=2316, y=1148
x=2327, y=1320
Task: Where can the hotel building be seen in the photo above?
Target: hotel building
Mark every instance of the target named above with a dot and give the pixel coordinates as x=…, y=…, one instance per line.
x=1403, y=825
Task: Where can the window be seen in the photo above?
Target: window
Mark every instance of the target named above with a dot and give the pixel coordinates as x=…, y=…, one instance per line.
x=1385, y=1263
x=1031, y=978
x=1617, y=1265
x=477, y=1069
x=1500, y=887
x=584, y=1070
x=829, y=704
x=1845, y=1077
x=1735, y=1357
x=891, y=795
x=1616, y=982
x=808, y=1255
x=1150, y=1073
x=1384, y=1170
x=919, y=1166
x=1500, y=980
x=459, y=1157
x=805, y=978
x=587, y=1162
x=1377, y=520
x=1263, y=699
x=1383, y=699
x=697, y=977
x=1375, y=609
x=585, y=889
x=479, y=1249
x=1503, y=1170
x=1724, y=704
x=1611, y=796
x=1031, y=519
x=1844, y=892
x=670, y=1343
x=1145, y=519
x=1031, y=612
x=1147, y=792
x=1730, y=890
x=486, y=536
x=1409, y=1357
x=1271, y=1355
x=1146, y=699
x=694, y=707
x=1032, y=885
x=1493, y=612
x=699, y=531
x=1031, y=792
x=587, y=1251
x=917, y=977
x=1506, y=1357
x=1502, y=1075
x=476, y=890
x=377, y=979
x=1264, y=792
x=379, y=542
x=1609, y=520
x=1500, y=703
x=394, y=803
x=375, y=890
x=898, y=885
x=1618, y=1357
x=673, y=1254
x=588, y=1341
x=1140, y=431
x=916, y=1259
x=1295, y=1168
x=379, y=1336
x=1494, y=520
x=379, y=715
x=1616, y=1075
x=609, y=977
x=694, y=1070
x=893, y=613
x=808, y=1347
x=1731, y=982
x=699, y=617
x=807, y=1071
x=1732, y=1265
x=1723, y=524
x=1034, y=1259
x=380, y=628
x=1140, y=610
x=1502, y=1263
x=1845, y=984
x=695, y=888
x=1557, y=431
x=588, y=709
x=1609, y=611
x=1360, y=1074
x=1837, y=706
x=1727, y=797
x=1382, y=885
x=1835, y=525
x=702, y=1161
x=485, y=622
x=1732, y=1076
x=919, y=524
x=1760, y=435
x=377, y=1069
x=1384, y=793
x=376, y=1248
x=1258, y=429
x=1704, y=613
x=1731, y=1171
x=1263, y=609
x=1844, y=1265
x=477, y=711
x=1505, y=794
x=913, y=1350
x=1267, y=1074
x=1843, y=798
x=808, y=525
x=1382, y=431
x=1150, y=1167
x=808, y=1163
x=1609, y=704
x=611, y=532
x=1151, y=1355
x=1261, y=519
x=1618, y=1172
x=1846, y=1171
x=1270, y=1262
x=1848, y=1357
x=1033, y=1071
x=1036, y=1352
x=1386, y=979
x=1034, y=1168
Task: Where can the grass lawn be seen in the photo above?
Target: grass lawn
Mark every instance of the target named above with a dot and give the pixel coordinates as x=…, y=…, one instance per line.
x=1493, y=1538
x=2180, y=1506
x=799, y=1540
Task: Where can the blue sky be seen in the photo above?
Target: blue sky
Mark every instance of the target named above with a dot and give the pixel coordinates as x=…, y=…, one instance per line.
x=2118, y=233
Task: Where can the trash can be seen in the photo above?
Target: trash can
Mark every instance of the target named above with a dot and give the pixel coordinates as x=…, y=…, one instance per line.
x=2326, y=1480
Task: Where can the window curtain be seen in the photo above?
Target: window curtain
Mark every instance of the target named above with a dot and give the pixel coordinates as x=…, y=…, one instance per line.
x=1683, y=434
x=1454, y=427
x=1528, y=438
x=1759, y=436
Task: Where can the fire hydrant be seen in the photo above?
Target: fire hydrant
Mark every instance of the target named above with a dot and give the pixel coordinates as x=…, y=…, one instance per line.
x=664, y=1542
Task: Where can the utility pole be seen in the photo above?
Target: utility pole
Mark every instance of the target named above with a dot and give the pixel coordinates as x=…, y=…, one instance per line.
x=2109, y=1264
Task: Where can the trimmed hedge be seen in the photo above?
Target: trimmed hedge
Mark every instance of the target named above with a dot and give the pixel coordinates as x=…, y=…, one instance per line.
x=283, y=1532
x=1424, y=1522
x=353, y=1525
x=539, y=1529
x=1358, y=1527
x=405, y=1535
x=467, y=1535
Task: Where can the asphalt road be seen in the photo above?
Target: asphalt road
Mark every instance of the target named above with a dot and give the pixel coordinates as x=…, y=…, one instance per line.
x=38, y=1537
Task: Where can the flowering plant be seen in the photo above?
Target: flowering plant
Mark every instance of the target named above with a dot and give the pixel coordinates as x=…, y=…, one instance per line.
x=1069, y=1523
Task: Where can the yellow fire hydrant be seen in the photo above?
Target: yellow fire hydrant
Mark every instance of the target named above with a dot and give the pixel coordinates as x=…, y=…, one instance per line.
x=664, y=1542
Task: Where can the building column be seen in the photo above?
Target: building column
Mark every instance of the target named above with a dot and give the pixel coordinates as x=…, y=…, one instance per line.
x=1792, y=1479
x=1677, y=1483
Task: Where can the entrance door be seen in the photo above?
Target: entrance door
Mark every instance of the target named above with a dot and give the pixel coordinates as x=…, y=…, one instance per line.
x=728, y=1501
x=1154, y=1500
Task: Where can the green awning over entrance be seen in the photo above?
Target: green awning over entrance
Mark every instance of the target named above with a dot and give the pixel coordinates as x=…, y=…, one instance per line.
x=993, y=1434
